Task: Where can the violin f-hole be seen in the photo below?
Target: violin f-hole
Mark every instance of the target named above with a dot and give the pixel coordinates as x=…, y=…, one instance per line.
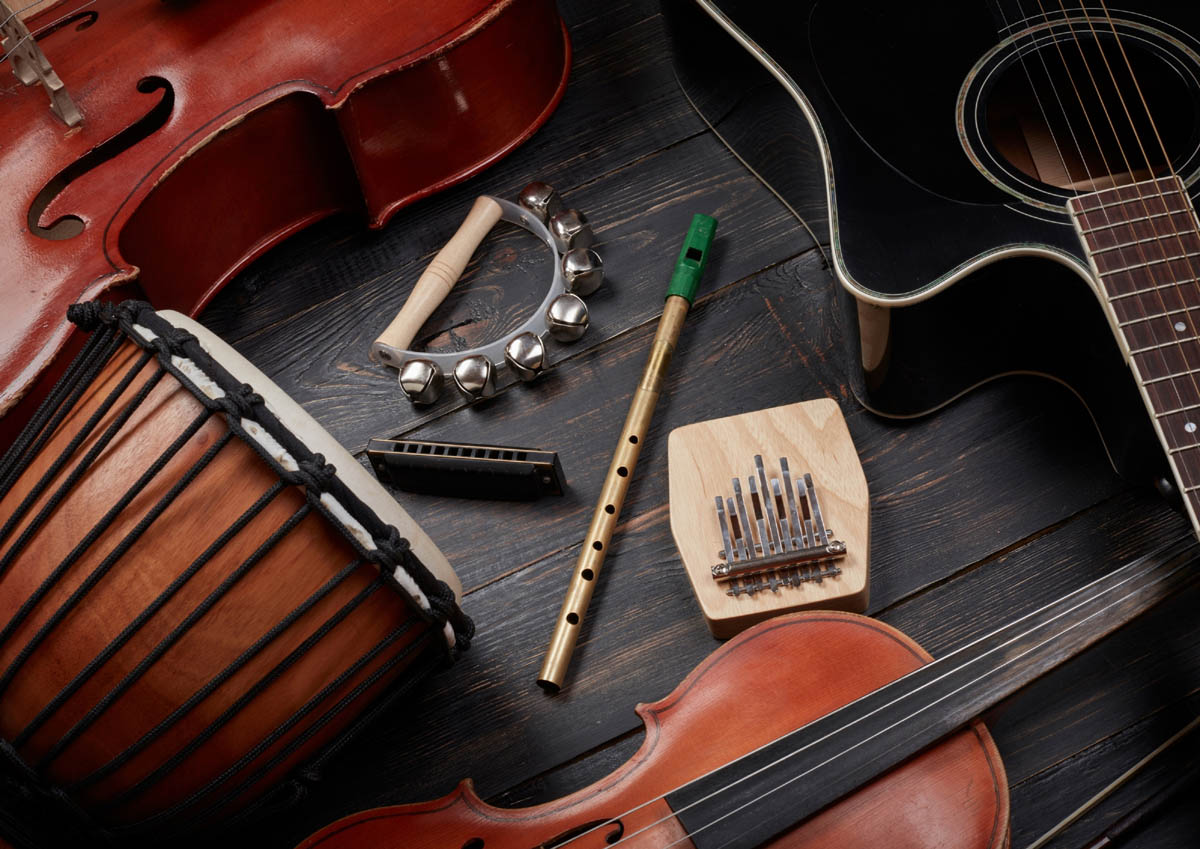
x=616, y=833
x=70, y=226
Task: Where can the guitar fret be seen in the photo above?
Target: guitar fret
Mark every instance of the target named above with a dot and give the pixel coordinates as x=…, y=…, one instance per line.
x=1154, y=193
x=1165, y=344
x=1172, y=285
x=1152, y=317
x=1147, y=264
x=1136, y=242
x=1180, y=448
x=1178, y=410
x=1128, y=221
x=1169, y=377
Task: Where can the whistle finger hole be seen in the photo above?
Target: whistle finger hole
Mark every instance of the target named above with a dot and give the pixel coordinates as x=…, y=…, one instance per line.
x=598, y=545
x=573, y=618
x=587, y=574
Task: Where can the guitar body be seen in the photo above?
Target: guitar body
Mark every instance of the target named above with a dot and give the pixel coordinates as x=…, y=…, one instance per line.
x=212, y=130
x=948, y=223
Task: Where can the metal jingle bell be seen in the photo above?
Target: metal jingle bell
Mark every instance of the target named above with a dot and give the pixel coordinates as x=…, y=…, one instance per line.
x=583, y=270
x=567, y=317
x=526, y=355
x=475, y=377
x=421, y=381
x=541, y=200
x=570, y=229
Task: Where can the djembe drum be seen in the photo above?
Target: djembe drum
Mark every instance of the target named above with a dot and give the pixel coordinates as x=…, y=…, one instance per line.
x=200, y=590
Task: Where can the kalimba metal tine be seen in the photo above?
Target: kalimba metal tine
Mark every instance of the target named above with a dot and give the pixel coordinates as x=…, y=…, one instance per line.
x=822, y=534
x=744, y=516
x=773, y=534
x=785, y=528
x=798, y=540
x=730, y=554
x=765, y=546
x=739, y=537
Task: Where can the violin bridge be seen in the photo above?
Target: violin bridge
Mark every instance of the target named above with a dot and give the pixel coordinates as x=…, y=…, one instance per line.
x=792, y=547
x=30, y=65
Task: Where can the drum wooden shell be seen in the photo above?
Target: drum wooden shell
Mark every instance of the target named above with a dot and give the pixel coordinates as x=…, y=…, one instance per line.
x=255, y=707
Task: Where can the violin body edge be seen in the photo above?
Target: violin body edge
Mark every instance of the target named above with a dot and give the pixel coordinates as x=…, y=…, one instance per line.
x=956, y=788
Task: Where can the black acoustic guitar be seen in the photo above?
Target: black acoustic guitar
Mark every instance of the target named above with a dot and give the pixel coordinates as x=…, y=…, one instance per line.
x=1010, y=189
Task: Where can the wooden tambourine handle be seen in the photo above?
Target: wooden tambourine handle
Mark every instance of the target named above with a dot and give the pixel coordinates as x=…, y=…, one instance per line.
x=439, y=278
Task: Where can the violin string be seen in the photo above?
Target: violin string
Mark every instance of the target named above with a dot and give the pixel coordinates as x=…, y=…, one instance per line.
x=13, y=13
x=966, y=686
x=1150, y=562
x=52, y=24
x=1158, y=284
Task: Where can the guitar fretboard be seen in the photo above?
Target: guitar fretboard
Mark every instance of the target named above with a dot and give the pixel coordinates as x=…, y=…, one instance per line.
x=1144, y=245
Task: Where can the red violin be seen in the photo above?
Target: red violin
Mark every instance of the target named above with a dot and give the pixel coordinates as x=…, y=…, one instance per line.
x=806, y=731
x=212, y=130
x=767, y=682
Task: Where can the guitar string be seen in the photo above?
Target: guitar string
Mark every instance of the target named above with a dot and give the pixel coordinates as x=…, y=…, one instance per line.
x=1195, y=278
x=1157, y=341
x=1082, y=157
x=53, y=23
x=1091, y=178
x=1037, y=97
x=1137, y=308
x=1150, y=562
x=1141, y=199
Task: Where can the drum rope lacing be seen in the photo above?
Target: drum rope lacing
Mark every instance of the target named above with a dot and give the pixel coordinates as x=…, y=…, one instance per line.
x=180, y=354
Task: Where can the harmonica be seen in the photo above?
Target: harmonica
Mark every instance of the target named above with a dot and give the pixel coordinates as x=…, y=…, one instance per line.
x=463, y=470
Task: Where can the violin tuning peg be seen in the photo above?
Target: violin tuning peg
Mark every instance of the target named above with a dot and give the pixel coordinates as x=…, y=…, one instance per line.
x=570, y=229
x=583, y=270
x=526, y=355
x=541, y=200
x=421, y=381
x=567, y=317
x=475, y=377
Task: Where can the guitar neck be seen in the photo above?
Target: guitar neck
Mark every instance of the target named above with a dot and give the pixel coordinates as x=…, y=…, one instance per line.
x=1143, y=243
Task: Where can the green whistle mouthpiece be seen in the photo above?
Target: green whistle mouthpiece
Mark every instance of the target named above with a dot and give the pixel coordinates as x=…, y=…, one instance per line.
x=693, y=256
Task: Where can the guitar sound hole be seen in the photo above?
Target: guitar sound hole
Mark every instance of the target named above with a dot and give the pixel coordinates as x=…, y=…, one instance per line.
x=1057, y=113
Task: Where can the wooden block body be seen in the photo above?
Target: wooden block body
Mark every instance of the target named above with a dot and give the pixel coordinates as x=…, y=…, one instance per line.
x=704, y=457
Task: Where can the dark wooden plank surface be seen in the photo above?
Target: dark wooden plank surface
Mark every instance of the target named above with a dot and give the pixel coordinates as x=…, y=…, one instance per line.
x=994, y=505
